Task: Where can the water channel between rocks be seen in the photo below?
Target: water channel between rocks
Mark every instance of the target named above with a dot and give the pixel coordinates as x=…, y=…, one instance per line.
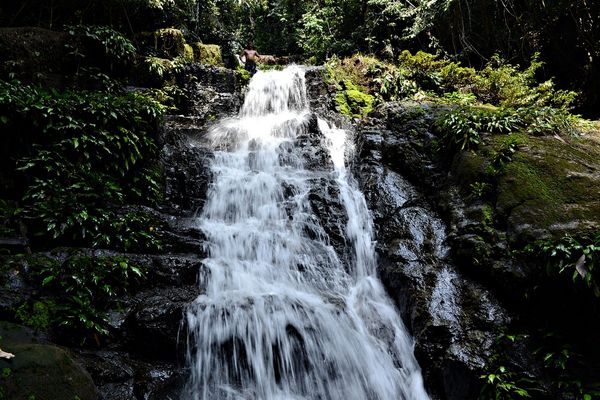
x=288, y=310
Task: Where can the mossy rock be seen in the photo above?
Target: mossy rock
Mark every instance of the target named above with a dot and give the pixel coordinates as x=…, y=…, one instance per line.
x=549, y=189
x=40, y=371
x=242, y=76
x=469, y=167
x=169, y=42
x=188, y=54
x=354, y=102
x=209, y=54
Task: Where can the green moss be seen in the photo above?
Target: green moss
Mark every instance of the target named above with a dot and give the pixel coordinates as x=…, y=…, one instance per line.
x=170, y=41
x=551, y=185
x=154, y=71
x=488, y=215
x=188, y=54
x=353, y=102
x=342, y=102
x=38, y=316
x=468, y=168
x=209, y=54
x=243, y=75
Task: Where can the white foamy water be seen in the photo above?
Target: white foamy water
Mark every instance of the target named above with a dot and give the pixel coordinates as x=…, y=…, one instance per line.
x=282, y=317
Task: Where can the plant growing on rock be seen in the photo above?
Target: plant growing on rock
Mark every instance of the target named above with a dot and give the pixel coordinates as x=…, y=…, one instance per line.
x=82, y=287
x=576, y=256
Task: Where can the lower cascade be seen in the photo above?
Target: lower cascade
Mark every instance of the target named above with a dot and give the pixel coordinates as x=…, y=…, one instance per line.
x=284, y=315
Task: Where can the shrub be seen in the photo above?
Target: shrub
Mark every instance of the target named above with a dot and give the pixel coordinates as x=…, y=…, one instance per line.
x=91, y=154
x=82, y=288
x=117, y=49
x=506, y=85
x=498, y=83
x=38, y=316
x=462, y=127
x=578, y=257
x=99, y=54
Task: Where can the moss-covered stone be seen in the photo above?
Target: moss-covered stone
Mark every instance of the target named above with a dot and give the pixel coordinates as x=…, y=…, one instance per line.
x=243, y=76
x=548, y=189
x=209, y=54
x=40, y=371
x=354, y=102
x=170, y=42
x=188, y=54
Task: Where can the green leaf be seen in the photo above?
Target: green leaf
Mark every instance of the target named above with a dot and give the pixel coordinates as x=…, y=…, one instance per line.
x=48, y=280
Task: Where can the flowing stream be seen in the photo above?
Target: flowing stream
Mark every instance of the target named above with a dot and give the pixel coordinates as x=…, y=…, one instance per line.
x=282, y=316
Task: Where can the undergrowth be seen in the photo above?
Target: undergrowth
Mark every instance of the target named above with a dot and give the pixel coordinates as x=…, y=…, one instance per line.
x=83, y=155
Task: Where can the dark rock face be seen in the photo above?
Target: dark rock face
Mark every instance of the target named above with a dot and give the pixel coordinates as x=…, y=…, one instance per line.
x=447, y=257
x=156, y=322
x=120, y=377
x=452, y=318
x=215, y=94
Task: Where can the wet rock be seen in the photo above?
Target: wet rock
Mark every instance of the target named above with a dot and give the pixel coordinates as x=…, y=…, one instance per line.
x=170, y=269
x=156, y=325
x=453, y=319
x=324, y=200
x=40, y=370
x=222, y=80
x=16, y=290
x=186, y=176
x=309, y=144
x=119, y=377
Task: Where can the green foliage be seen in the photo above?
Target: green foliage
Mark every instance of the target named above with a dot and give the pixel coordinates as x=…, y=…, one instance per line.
x=117, y=48
x=503, y=380
x=391, y=83
x=501, y=98
x=578, y=257
x=38, y=316
x=352, y=101
x=91, y=155
x=83, y=286
x=480, y=189
x=503, y=156
x=9, y=215
x=348, y=77
x=542, y=121
x=4, y=376
x=498, y=83
x=320, y=30
x=158, y=68
x=503, y=384
x=243, y=75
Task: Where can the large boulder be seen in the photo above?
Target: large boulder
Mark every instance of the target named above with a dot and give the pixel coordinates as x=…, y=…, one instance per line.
x=208, y=54
x=40, y=371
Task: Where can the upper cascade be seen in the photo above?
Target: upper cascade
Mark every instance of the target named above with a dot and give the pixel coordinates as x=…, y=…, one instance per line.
x=282, y=316
x=276, y=96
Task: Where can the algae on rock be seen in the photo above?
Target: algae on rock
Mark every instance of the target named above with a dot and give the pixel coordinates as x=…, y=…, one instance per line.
x=209, y=54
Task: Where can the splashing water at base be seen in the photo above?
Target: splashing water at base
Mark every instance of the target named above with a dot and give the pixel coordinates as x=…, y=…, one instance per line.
x=282, y=317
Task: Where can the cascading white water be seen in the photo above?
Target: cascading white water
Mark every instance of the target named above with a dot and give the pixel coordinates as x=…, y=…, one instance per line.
x=282, y=317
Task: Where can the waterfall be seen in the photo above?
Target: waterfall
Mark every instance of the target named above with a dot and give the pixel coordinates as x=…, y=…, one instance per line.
x=282, y=316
